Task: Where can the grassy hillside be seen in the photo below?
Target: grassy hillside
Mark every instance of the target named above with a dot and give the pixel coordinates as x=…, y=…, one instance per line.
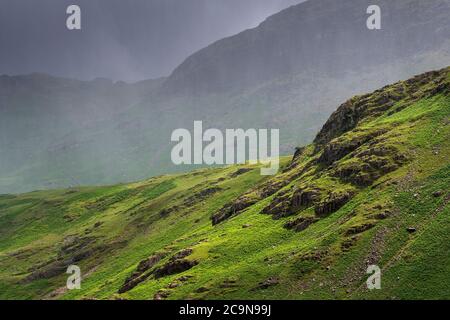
x=373, y=188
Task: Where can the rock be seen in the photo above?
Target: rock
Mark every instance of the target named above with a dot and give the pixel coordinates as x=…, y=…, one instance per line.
x=300, y=224
x=348, y=243
x=239, y=172
x=411, y=230
x=246, y=226
x=201, y=290
x=165, y=212
x=201, y=196
x=359, y=229
x=272, y=281
x=174, y=267
x=287, y=203
x=182, y=254
x=298, y=152
x=139, y=275
x=332, y=203
x=148, y=263
x=304, y=198
x=233, y=208
x=228, y=284
x=173, y=285
x=437, y=194
x=160, y=295
x=49, y=271
x=98, y=224
x=184, y=278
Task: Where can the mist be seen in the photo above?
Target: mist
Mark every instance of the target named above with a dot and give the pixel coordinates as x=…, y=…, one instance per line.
x=120, y=40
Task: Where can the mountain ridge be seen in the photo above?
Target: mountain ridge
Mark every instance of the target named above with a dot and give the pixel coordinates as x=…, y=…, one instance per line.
x=272, y=49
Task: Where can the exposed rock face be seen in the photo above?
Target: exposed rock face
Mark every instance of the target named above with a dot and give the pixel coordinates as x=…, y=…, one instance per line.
x=333, y=202
x=272, y=281
x=342, y=146
x=365, y=169
x=51, y=270
x=288, y=202
x=239, y=172
x=181, y=254
x=369, y=106
x=201, y=196
x=298, y=152
x=233, y=208
x=174, y=267
x=148, y=263
x=300, y=224
x=359, y=229
x=304, y=198
x=191, y=201
x=265, y=190
x=140, y=274
x=280, y=205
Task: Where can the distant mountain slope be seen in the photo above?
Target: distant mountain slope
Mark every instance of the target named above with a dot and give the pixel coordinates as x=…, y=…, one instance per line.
x=42, y=117
x=326, y=37
x=288, y=73
x=373, y=188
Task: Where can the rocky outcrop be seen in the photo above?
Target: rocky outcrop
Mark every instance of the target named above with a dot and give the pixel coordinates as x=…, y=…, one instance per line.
x=344, y=145
x=280, y=205
x=287, y=202
x=304, y=198
x=233, y=208
x=140, y=274
x=265, y=190
x=270, y=282
x=239, y=172
x=301, y=223
x=370, y=163
x=174, y=267
x=332, y=203
x=359, y=228
x=369, y=106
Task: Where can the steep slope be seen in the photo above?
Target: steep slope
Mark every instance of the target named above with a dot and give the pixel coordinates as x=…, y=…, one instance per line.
x=371, y=189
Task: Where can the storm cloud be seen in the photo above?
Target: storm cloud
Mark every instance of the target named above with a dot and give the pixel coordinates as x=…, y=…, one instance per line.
x=121, y=40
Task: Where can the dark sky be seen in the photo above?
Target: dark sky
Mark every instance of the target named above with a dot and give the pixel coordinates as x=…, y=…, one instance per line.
x=123, y=40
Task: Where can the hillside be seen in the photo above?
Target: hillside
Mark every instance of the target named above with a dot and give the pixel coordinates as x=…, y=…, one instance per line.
x=289, y=73
x=371, y=189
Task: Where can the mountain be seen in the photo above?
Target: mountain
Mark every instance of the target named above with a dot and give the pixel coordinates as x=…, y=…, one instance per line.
x=323, y=37
x=288, y=73
x=372, y=189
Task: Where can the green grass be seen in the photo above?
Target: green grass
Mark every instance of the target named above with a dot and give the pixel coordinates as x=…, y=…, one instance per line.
x=122, y=225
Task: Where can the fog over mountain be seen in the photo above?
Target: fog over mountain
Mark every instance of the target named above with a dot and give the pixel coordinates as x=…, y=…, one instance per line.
x=122, y=40
x=290, y=72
